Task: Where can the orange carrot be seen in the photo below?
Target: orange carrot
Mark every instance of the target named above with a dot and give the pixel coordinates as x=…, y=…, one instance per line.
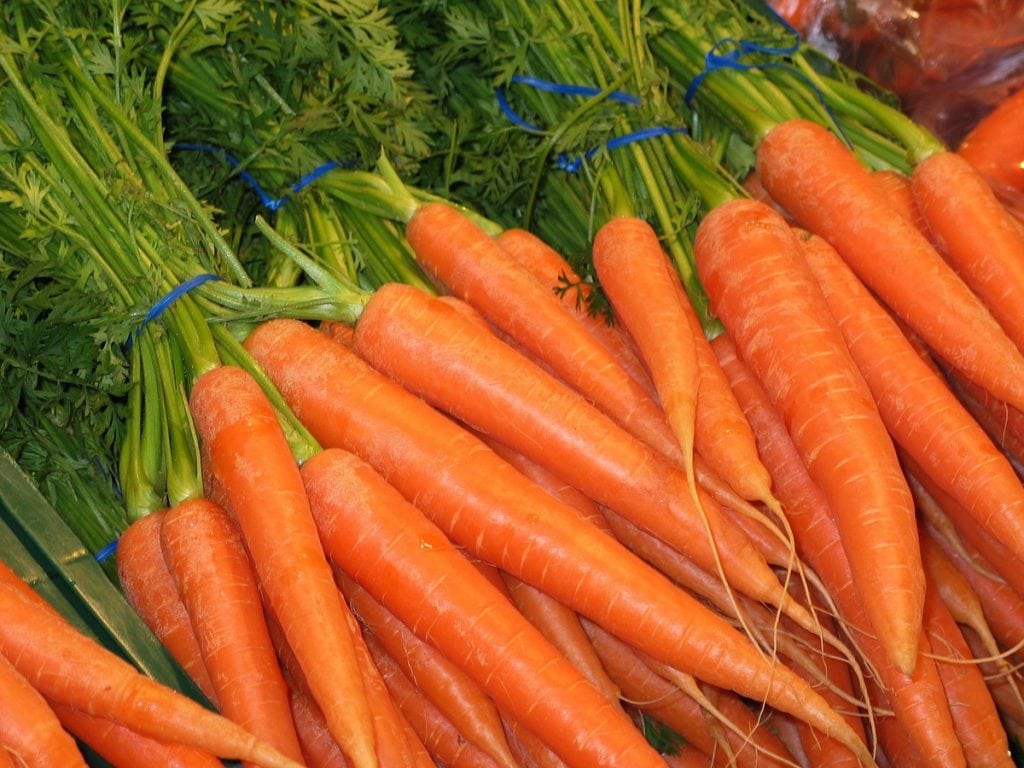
x=995, y=146
x=204, y=551
x=918, y=700
x=458, y=698
x=492, y=510
x=750, y=264
x=815, y=177
x=319, y=748
x=896, y=187
x=916, y=406
x=122, y=747
x=150, y=589
x=549, y=266
x=474, y=267
x=976, y=234
x=29, y=728
x=87, y=676
x=431, y=349
x=252, y=461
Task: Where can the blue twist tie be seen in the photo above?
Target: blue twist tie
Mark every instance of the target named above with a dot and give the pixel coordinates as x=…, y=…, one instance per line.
x=572, y=165
x=106, y=552
x=165, y=301
x=270, y=203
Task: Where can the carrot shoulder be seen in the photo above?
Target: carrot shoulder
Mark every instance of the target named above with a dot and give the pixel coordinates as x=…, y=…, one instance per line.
x=750, y=264
x=822, y=184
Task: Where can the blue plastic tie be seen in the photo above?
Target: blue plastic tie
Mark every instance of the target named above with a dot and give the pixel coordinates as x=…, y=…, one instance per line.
x=161, y=305
x=106, y=552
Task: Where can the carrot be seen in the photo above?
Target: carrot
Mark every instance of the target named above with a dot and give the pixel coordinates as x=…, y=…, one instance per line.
x=818, y=180
x=71, y=668
x=896, y=187
x=319, y=749
x=458, y=698
x=750, y=264
x=492, y=510
x=919, y=700
x=29, y=728
x=916, y=405
x=122, y=747
x=1003, y=423
x=251, y=459
x=549, y=266
x=149, y=587
x=976, y=234
x=474, y=267
x=204, y=550
x=442, y=739
x=995, y=146
x=431, y=349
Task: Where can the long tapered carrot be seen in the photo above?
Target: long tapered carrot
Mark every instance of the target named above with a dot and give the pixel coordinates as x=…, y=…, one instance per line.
x=389, y=547
x=485, y=505
x=916, y=405
x=218, y=586
x=431, y=349
x=818, y=180
x=976, y=234
x=474, y=267
x=150, y=589
x=122, y=747
x=69, y=667
x=750, y=264
x=552, y=269
x=29, y=728
x=252, y=461
x=459, y=699
x=919, y=700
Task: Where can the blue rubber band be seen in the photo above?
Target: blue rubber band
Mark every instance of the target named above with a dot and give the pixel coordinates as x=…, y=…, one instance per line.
x=573, y=165
x=165, y=301
x=106, y=552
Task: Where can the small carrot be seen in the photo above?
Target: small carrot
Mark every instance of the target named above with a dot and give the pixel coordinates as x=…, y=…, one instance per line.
x=29, y=728
x=996, y=148
x=122, y=747
x=818, y=180
x=149, y=587
x=749, y=261
x=492, y=510
x=218, y=586
x=251, y=459
x=87, y=676
x=976, y=234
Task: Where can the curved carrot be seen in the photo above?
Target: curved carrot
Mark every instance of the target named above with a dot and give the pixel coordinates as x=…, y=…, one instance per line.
x=458, y=698
x=919, y=700
x=122, y=747
x=252, y=461
x=750, y=264
x=916, y=405
x=205, y=553
x=150, y=589
x=474, y=267
x=432, y=350
x=549, y=266
x=488, y=507
x=817, y=179
x=29, y=728
x=87, y=676
x=385, y=544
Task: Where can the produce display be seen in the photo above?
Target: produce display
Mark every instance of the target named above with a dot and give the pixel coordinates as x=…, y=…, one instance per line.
x=502, y=384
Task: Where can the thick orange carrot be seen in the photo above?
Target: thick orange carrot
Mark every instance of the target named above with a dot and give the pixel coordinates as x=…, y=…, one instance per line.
x=551, y=268
x=750, y=264
x=150, y=589
x=975, y=233
x=71, y=668
x=204, y=551
x=459, y=699
x=432, y=350
x=474, y=267
x=815, y=177
x=995, y=146
x=492, y=510
x=919, y=700
x=122, y=747
x=385, y=544
x=29, y=728
x=252, y=461
x=916, y=405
